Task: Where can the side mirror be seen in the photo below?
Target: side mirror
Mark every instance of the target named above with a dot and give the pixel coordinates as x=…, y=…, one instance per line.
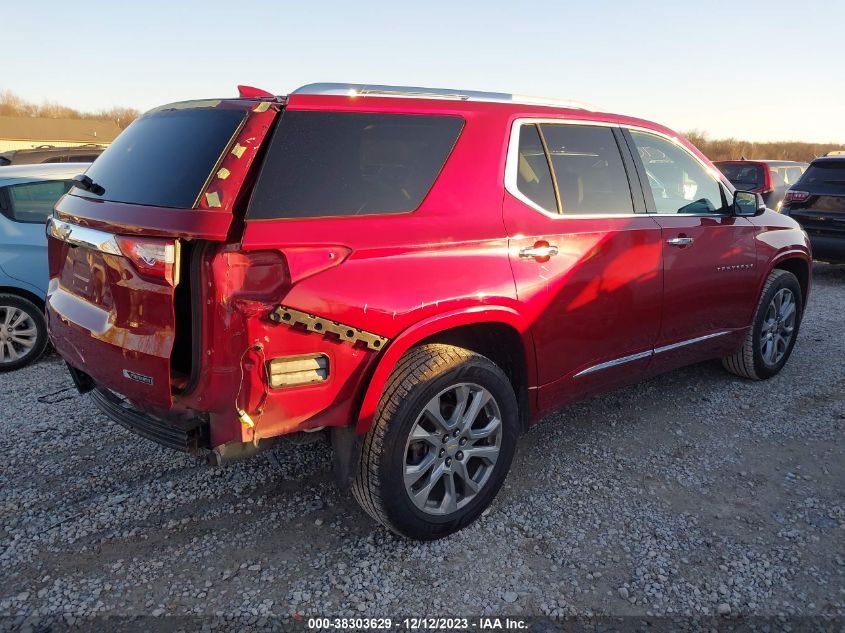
x=747, y=204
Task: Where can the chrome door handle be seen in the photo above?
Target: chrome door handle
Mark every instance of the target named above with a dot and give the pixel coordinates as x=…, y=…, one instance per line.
x=538, y=251
x=680, y=241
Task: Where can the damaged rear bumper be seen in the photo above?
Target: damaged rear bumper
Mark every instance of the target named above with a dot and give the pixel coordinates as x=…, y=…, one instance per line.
x=188, y=435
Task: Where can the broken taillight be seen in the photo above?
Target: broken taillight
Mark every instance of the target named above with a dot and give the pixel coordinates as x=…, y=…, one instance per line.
x=152, y=257
x=255, y=275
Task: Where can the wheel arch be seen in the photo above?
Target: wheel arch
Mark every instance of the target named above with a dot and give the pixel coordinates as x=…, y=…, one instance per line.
x=801, y=268
x=24, y=293
x=499, y=333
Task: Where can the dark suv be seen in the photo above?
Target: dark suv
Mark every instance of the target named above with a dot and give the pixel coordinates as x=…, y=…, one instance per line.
x=52, y=154
x=423, y=273
x=769, y=178
x=817, y=201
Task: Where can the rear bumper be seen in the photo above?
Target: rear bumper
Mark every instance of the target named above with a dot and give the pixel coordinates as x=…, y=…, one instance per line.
x=188, y=435
x=828, y=248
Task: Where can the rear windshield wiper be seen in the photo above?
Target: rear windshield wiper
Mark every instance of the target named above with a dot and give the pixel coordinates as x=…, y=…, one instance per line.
x=84, y=182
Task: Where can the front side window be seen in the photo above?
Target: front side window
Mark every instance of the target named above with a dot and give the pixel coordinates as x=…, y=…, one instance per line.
x=351, y=163
x=588, y=168
x=33, y=202
x=678, y=182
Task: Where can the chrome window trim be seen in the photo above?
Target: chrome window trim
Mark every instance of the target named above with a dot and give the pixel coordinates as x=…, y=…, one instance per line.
x=647, y=354
x=76, y=235
x=512, y=169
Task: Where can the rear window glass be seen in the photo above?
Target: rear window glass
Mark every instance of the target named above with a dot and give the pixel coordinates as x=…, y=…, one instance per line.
x=164, y=158
x=824, y=172
x=742, y=176
x=350, y=163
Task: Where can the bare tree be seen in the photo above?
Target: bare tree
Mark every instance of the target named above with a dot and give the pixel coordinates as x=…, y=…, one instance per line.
x=13, y=105
x=734, y=149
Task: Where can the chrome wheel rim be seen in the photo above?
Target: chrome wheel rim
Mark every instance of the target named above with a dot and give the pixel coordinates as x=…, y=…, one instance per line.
x=778, y=327
x=17, y=334
x=452, y=449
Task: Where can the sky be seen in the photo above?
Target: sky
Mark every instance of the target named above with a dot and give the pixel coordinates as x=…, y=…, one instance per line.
x=754, y=70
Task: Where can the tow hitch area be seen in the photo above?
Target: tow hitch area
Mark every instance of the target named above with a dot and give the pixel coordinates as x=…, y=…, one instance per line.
x=291, y=317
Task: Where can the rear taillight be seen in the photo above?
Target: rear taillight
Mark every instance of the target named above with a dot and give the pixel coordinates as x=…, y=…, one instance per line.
x=769, y=184
x=152, y=257
x=792, y=196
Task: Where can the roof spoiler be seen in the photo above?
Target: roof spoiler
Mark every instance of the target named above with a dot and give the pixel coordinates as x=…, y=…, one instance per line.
x=249, y=92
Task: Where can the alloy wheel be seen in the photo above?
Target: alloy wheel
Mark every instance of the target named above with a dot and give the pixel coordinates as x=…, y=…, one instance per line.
x=778, y=327
x=18, y=334
x=452, y=448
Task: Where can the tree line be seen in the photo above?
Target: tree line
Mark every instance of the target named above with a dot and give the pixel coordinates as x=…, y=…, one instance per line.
x=714, y=149
x=13, y=105
x=733, y=149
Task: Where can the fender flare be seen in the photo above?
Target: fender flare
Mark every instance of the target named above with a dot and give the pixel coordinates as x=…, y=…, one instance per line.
x=792, y=253
x=426, y=328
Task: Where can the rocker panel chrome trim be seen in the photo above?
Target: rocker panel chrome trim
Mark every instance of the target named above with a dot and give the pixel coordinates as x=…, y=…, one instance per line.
x=641, y=355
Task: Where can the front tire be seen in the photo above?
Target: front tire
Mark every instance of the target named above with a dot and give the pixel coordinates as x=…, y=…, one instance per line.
x=23, y=332
x=770, y=340
x=441, y=444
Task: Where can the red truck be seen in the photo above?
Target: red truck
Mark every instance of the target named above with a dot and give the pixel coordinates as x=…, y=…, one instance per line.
x=419, y=273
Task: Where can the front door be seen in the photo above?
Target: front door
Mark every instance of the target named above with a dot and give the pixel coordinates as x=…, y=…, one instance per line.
x=709, y=257
x=585, y=261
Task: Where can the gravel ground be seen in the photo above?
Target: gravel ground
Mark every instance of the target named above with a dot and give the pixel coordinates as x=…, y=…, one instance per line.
x=695, y=493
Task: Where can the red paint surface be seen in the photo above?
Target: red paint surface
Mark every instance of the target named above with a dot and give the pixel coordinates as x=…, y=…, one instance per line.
x=614, y=289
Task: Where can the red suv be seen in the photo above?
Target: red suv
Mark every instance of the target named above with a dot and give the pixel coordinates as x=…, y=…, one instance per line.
x=424, y=273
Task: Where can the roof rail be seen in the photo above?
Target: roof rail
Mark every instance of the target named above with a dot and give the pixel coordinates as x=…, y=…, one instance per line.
x=414, y=92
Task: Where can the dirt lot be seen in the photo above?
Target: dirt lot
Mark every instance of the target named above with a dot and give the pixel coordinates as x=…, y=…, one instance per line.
x=693, y=494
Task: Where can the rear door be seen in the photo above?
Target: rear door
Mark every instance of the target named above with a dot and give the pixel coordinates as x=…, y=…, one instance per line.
x=586, y=258
x=709, y=276
x=121, y=243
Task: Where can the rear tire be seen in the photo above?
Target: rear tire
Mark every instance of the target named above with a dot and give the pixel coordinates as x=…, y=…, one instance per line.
x=772, y=335
x=23, y=332
x=441, y=444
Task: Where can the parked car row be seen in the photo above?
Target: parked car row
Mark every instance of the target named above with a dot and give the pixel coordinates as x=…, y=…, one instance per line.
x=813, y=194
x=51, y=154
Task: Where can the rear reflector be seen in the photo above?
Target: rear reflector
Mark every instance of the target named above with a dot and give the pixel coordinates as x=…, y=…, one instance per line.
x=795, y=196
x=293, y=371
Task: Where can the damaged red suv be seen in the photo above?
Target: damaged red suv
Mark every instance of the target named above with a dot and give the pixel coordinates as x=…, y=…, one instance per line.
x=420, y=274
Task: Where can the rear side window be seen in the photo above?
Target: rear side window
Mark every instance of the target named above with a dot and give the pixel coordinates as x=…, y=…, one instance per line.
x=351, y=163
x=33, y=202
x=533, y=176
x=588, y=168
x=164, y=158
